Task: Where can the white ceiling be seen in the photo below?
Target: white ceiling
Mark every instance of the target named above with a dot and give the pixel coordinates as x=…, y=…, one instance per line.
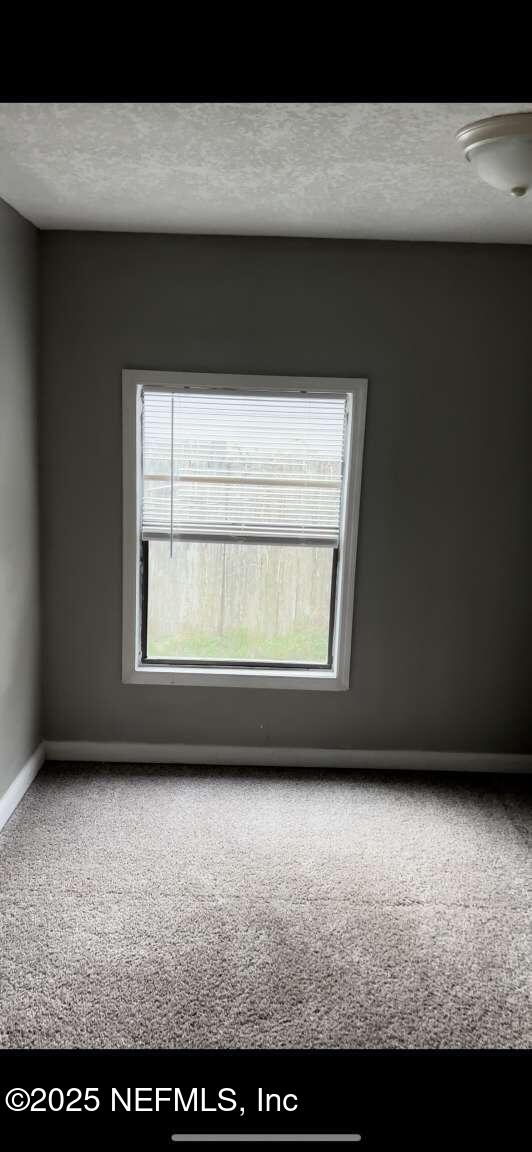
x=383, y=171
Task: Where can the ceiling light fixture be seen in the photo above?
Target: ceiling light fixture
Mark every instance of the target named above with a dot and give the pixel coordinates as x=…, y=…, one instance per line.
x=500, y=151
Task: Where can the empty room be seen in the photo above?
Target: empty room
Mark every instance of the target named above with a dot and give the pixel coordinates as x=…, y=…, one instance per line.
x=265, y=575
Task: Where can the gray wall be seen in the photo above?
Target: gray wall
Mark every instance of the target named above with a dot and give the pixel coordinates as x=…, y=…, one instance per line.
x=19, y=561
x=443, y=632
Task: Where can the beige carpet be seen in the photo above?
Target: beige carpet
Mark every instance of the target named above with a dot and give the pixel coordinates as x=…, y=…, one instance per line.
x=163, y=907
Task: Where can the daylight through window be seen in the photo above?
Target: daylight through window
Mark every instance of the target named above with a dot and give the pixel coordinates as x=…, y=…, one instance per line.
x=241, y=501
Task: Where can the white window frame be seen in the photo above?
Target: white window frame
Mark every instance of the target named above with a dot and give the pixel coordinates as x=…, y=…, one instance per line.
x=335, y=678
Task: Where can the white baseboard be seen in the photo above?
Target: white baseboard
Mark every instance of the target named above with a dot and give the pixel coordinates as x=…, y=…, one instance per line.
x=119, y=752
x=20, y=785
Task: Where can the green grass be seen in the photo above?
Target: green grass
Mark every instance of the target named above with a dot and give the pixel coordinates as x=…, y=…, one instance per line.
x=306, y=645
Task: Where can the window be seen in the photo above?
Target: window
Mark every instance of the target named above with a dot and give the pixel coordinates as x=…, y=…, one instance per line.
x=240, y=521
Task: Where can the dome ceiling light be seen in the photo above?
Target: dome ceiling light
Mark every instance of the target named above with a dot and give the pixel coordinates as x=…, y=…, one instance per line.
x=500, y=151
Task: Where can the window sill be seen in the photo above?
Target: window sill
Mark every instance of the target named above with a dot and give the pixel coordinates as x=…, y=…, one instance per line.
x=318, y=680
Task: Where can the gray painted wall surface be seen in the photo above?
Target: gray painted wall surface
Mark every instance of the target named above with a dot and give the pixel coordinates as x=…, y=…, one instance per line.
x=443, y=629
x=19, y=561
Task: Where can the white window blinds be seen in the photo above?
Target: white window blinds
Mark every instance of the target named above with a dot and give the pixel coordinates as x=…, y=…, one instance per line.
x=233, y=466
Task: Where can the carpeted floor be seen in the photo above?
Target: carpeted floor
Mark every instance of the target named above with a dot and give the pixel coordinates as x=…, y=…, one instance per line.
x=166, y=907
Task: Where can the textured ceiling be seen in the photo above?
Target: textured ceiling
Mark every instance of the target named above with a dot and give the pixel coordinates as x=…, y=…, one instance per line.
x=384, y=171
